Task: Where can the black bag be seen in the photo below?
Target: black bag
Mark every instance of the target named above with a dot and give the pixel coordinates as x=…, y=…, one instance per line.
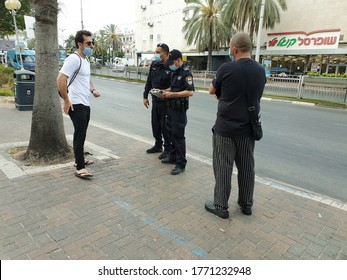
x=257, y=130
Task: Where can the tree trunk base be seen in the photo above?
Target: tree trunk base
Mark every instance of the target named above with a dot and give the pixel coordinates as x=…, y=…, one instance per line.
x=29, y=157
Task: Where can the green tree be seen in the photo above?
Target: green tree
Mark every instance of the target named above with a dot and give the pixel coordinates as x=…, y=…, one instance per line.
x=247, y=12
x=70, y=42
x=31, y=44
x=100, y=46
x=205, y=27
x=112, y=38
x=47, y=137
x=6, y=19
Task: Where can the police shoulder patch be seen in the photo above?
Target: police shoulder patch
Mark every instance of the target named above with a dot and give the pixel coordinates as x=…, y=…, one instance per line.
x=189, y=80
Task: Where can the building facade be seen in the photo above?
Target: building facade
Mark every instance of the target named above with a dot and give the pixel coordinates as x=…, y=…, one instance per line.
x=159, y=21
x=311, y=36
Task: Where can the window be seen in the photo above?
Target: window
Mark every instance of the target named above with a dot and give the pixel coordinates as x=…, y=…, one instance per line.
x=158, y=38
x=151, y=37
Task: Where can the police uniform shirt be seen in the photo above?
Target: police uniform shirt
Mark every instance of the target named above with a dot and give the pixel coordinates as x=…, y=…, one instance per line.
x=159, y=77
x=182, y=79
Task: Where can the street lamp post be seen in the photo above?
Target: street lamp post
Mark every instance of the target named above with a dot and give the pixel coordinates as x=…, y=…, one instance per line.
x=261, y=20
x=62, y=36
x=82, y=25
x=13, y=6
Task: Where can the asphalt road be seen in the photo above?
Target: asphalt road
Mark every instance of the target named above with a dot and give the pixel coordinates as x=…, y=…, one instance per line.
x=302, y=146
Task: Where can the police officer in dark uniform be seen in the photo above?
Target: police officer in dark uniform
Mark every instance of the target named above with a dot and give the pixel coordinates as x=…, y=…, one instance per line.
x=159, y=77
x=177, y=101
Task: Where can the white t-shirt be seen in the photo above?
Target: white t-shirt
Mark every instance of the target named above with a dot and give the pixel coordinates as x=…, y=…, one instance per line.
x=79, y=90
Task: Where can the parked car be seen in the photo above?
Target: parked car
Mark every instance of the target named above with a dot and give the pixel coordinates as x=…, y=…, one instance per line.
x=96, y=65
x=146, y=62
x=118, y=67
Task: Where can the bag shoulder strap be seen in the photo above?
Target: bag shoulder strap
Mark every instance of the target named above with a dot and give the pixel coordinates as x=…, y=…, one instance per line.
x=76, y=72
x=251, y=108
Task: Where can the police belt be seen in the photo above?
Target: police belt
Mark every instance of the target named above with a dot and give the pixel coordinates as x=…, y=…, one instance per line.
x=157, y=99
x=180, y=104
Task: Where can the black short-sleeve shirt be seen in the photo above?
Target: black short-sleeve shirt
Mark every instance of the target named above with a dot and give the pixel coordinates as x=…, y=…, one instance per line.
x=159, y=77
x=232, y=116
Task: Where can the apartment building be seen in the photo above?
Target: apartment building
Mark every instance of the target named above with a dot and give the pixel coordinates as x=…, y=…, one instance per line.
x=159, y=21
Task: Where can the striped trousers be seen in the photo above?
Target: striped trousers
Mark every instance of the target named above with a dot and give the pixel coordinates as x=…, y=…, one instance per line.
x=226, y=151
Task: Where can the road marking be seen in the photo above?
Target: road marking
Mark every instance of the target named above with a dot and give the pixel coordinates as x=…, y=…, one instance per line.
x=164, y=231
x=280, y=186
x=13, y=169
x=340, y=124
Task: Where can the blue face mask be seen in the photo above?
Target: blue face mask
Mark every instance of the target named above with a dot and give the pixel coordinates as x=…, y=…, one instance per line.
x=173, y=67
x=87, y=51
x=157, y=57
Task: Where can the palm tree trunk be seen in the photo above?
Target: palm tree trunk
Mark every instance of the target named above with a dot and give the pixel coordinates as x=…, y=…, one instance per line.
x=210, y=49
x=47, y=138
x=251, y=31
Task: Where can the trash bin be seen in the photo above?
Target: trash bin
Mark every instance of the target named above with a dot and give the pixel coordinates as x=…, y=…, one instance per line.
x=24, y=89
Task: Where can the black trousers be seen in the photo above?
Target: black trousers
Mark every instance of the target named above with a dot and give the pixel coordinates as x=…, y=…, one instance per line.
x=177, y=121
x=80, y=117
x=226, y=151
x=159, y=129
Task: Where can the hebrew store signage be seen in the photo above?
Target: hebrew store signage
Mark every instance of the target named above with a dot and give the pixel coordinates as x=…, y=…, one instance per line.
x=300, y=40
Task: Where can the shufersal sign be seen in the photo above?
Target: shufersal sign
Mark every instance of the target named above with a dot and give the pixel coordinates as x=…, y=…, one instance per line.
x=300, y=40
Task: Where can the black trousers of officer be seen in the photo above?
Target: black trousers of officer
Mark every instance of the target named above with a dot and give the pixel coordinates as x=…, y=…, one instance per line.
x=226, y=151
x=80, y=117
x=158, y=119
x=177, y=121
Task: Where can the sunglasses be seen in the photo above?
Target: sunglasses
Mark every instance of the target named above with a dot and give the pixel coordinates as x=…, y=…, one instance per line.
x=90, y=43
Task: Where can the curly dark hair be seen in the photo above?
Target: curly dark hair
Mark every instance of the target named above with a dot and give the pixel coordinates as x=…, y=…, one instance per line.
x=79, y=36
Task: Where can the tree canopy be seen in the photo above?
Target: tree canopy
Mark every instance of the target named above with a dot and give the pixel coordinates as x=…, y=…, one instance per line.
x=246, y=14
x=205, y=27
x=6, y=19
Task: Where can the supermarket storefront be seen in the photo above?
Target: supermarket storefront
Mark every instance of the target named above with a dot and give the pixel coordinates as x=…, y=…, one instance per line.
x=296, y=53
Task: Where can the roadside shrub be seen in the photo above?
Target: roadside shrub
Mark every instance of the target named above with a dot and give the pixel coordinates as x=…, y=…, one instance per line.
x=6, y=92
x=6, y=80
x=315, y=74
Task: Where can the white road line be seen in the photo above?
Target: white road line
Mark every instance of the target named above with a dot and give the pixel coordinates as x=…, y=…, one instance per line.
x=281, y=186
x=12, y=170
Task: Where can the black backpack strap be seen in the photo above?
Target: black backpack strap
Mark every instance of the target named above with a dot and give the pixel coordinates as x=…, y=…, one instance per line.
x=76, y=72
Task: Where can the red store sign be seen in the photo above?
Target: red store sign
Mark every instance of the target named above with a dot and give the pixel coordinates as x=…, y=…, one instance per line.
x=300, y=40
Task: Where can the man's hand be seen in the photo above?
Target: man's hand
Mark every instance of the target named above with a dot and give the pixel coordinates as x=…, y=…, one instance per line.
x=146, y=102
x=167, y=94
x=96, y=93
x=67, y=106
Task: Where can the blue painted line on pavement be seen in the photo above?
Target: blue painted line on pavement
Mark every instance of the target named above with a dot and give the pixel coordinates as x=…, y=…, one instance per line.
x=165, y=231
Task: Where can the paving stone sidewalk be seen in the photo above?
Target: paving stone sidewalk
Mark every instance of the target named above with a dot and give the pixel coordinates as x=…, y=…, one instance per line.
x=134, y=209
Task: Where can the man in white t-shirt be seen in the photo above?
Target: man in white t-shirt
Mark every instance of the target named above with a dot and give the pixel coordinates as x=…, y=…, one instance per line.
x=74, y=78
